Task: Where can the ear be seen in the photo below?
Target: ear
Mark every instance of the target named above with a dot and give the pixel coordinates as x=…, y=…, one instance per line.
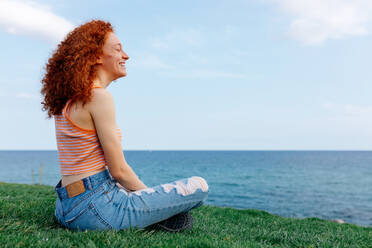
x=99, y=61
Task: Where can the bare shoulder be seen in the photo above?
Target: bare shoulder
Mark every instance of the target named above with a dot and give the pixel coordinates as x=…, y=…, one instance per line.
x=101, y=101
x=100, y=94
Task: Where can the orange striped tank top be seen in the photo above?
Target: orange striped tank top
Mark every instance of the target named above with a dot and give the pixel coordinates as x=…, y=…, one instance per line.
x=79, y=149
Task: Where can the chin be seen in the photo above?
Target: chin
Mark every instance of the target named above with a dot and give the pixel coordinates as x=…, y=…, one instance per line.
x=121, y=75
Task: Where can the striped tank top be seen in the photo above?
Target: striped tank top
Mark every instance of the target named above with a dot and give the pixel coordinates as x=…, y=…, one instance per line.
x=79, y=149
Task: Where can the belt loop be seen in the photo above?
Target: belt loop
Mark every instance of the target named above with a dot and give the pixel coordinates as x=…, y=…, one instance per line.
x=59, y=195
x=89, y=183
x=58, y=186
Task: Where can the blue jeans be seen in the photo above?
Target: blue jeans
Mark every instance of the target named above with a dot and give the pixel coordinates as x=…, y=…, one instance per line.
x=105, y=205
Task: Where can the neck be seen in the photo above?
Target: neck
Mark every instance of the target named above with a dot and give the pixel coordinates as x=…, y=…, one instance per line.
x=102, y=79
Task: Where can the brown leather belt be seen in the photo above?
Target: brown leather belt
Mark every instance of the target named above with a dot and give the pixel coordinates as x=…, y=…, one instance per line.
x=75, y=188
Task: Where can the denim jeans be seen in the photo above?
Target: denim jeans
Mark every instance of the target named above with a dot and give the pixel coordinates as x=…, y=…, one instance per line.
x=105, y=205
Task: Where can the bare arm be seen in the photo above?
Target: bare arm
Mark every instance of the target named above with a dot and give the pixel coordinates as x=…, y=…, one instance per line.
x=102, y=110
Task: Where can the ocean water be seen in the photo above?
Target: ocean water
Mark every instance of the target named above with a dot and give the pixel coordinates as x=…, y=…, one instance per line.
x=324, y=184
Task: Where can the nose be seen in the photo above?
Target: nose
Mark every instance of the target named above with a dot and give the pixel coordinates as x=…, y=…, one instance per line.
x=125, y=56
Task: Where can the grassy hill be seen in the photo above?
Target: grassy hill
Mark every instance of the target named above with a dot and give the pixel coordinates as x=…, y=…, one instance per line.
x=27, y=220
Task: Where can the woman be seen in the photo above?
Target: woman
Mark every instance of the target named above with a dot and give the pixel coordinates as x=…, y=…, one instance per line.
x=98, y=189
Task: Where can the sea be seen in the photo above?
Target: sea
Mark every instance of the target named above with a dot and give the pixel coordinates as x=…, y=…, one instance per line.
x=301, y=184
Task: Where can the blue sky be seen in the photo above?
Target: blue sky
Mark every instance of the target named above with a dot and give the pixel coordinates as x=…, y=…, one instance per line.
x=205, y=75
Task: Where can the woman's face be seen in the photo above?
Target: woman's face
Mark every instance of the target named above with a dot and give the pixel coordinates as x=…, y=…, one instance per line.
x=113, y=59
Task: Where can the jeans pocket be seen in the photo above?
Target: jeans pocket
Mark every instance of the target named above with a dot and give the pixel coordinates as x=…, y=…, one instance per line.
x=88, y=219
x=109, y=189
x=71, y=205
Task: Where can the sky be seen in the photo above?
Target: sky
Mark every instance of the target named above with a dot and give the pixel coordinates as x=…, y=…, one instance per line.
x=204, y=75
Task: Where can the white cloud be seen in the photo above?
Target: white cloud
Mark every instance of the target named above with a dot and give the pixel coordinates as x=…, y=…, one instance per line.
x=316, y=21
x=32, y=19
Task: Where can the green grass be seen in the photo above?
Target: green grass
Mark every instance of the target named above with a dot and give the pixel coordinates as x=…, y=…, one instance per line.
x=27, y=220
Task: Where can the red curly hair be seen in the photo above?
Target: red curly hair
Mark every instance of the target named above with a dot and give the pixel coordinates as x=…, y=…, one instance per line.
x=71, y=70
